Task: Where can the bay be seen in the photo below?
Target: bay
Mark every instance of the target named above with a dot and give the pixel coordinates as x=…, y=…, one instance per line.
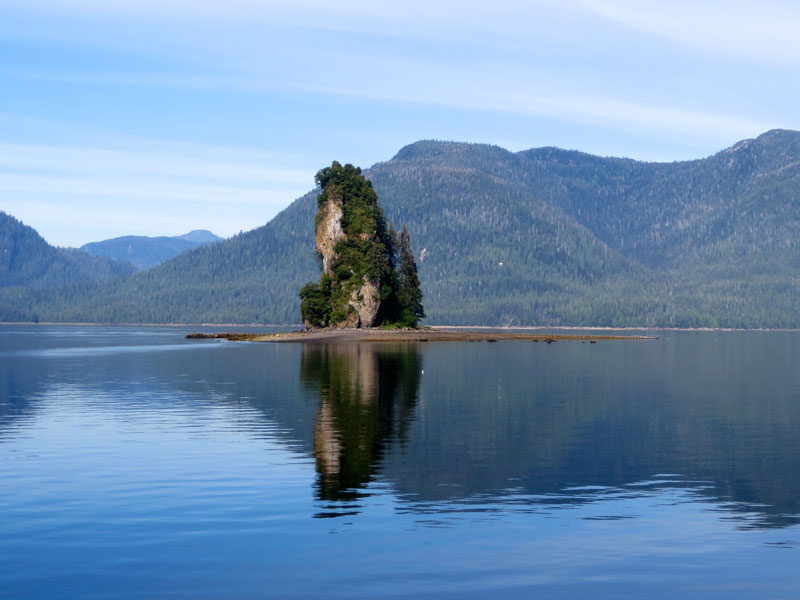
x=137, y=464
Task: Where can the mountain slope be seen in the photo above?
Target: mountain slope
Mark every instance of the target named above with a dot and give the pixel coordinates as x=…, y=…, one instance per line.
x=251, y=277
x=26, y=259
x=146, y=252
x=544, y=236
x=491, y=251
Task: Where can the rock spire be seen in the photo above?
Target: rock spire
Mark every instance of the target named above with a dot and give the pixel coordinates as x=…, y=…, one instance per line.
x=359, y=284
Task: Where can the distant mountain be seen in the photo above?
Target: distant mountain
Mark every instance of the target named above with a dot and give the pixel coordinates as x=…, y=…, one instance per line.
x=200, y=236
x=146, y=252
x=540, y=237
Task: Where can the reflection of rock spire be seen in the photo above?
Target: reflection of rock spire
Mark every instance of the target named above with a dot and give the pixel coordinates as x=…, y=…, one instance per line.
x=327, y=447
x=364, y=378
x=367, y=398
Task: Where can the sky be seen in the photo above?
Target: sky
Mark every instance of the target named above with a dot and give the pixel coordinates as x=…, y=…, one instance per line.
x=122, y=117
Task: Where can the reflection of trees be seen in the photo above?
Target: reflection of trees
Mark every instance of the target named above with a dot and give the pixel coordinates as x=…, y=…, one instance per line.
x=20, y=392
x=367, y=398
x=509, y=419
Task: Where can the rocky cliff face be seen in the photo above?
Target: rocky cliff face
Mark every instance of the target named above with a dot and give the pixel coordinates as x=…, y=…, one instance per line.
x=366, y=301
x=363, y=300
x=329, y=232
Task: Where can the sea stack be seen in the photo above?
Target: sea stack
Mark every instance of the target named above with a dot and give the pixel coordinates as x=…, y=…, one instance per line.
x=360, y=285
x=361, y=302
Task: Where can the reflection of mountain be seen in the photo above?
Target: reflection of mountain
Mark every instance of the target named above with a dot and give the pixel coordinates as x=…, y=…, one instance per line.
x=17, y=388
x=23, y=379
x=516, y=421
x=367, y=398
x=719, y=410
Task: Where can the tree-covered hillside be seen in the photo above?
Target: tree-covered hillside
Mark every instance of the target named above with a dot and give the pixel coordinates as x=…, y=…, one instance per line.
x=26, y=259
x=29, y=266
x=544, y=236
x=252, y=277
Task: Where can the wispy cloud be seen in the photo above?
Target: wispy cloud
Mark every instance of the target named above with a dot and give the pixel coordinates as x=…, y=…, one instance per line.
x=243, y=81
x=197, y=164
x=222, y=189
x=541, y=58
x=523, y=91
x=766, y=28
x=755, y=31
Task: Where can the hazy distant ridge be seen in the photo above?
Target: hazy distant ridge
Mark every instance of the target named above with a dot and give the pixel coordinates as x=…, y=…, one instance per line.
x=146, y=252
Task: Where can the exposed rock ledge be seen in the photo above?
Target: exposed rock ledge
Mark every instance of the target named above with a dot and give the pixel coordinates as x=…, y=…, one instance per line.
x=408, y=335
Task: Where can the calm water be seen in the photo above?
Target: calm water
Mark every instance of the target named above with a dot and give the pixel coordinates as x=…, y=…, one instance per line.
x=137, y=464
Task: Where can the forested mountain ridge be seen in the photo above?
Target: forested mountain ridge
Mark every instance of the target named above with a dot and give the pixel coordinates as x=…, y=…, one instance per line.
x=651, y=212
x=26, y=259
x=146, y=252
x=543, y=236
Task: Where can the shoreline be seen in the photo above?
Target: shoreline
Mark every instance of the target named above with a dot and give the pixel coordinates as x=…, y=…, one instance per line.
x=406, y=335
x=437, y=327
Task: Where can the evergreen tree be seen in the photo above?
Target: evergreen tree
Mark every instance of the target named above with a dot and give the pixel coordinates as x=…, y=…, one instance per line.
x=409, y=292
x=315, y=302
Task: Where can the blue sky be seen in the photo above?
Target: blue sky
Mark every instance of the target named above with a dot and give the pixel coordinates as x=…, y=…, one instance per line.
x=157, y=117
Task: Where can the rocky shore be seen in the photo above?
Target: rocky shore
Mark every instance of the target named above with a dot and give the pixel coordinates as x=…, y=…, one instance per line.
x=408, y=335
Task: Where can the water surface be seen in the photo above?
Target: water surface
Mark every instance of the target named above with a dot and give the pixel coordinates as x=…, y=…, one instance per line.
x=137, y=464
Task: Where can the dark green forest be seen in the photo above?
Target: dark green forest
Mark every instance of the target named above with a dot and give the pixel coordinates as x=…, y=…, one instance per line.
x=31, y=268
x=539, y=237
